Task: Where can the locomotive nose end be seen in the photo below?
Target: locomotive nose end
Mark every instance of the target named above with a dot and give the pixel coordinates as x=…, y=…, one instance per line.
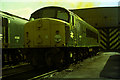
x=45, y=32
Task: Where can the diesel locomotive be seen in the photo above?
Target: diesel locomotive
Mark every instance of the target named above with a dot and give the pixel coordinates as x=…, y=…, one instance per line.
x=55, y=36
x=11, y=38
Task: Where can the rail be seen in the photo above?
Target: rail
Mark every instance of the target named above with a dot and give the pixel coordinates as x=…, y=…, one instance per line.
x=46, y=75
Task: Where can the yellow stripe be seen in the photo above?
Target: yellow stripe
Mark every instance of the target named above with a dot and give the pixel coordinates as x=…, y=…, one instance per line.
x=103, y=32
x=114, y=39
x=110, y=30
x=103, y=37
x=103, y=42
x=113, y=36
x=102, y=46
x=114, y=46
x=113, y=32
x=113, y=43
x=119, y=45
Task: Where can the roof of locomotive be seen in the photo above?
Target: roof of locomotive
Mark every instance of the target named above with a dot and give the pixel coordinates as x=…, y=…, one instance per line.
x=49, y=7
x=11, y=15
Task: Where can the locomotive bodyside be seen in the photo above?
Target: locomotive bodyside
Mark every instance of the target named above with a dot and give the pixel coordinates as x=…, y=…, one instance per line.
x=82, y=34
x=12, y=31
x=12, y=37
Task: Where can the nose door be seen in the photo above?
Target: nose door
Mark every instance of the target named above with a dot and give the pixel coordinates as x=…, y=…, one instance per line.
x=42, y=33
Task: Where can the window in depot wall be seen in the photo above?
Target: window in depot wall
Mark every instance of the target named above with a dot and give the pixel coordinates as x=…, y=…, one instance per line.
x=17, y=38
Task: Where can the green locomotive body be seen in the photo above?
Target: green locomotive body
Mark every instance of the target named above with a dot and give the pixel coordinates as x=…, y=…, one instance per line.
x=56, y=36
x=11, y=37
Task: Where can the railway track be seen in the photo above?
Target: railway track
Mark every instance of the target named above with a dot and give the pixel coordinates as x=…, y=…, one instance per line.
x=45, y=75
x=28, y=74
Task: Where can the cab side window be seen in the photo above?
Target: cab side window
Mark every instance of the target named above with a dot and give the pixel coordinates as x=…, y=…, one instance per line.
x=73, y=20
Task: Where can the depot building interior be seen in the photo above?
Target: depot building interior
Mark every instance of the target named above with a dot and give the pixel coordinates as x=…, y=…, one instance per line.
x=16, y=64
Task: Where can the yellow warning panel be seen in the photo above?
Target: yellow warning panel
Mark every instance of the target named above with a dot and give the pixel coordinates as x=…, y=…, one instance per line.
x=45, y=32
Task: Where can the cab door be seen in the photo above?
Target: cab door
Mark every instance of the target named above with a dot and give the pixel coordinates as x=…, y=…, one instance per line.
x=4, y=34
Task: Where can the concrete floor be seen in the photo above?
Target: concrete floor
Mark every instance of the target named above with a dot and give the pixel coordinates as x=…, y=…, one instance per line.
x=89, y=68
